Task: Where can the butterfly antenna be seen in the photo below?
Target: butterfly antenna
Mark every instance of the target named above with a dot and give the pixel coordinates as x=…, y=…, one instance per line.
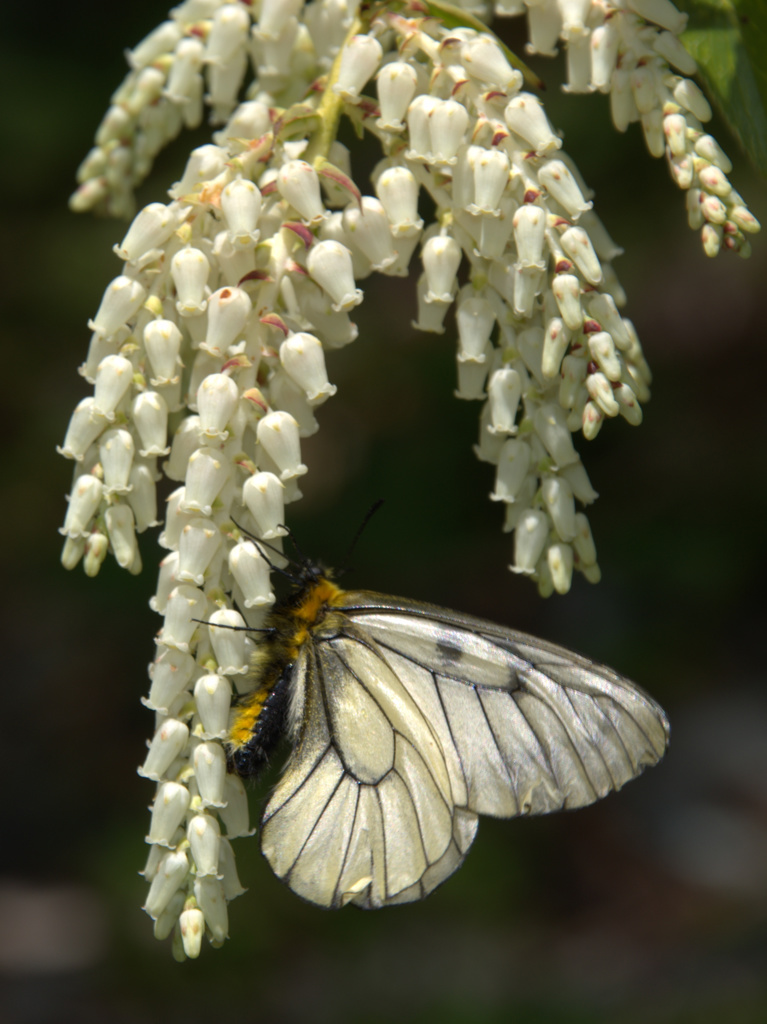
x=262, y=545
x=368, y=516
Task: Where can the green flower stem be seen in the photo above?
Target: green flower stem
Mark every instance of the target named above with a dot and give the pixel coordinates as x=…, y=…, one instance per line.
x=331, y=106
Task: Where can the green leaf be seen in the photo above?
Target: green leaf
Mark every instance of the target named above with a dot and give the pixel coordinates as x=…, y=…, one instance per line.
x=728, y=39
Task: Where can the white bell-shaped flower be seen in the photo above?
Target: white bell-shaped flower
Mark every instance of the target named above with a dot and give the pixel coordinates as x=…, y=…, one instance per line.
x=360, y=58
x=603, y=309
x=431, y=313
x=605, y=40
x=85, y=425
x=189, y=269
x=185, y=441
x=241, y=203
x=209, y=894
x=122, y=299
x=113, y=379
x=150, y=415
x=116, y=451
x=448, y=122
x=286, y=394
x=149, y=231
x=185, y=604
x=396, y=83
x=441, y=257
x=170, y=672
x=490, y=173
x=187, y=61
x=560, y=562
x=217, y=399
x=83, y=502
x=206, y=473
x=228, y=871
x=577, y=244
x=550, y=425
x=234, y=814
x=560, y=505
x=557, y=178
x=121, y=528
x=578, y=478
x=529, y=540
x=299, y=185
x=573, y=375
x=162, y=340
x=398, y=191
x=200, y=540
x=277, y=432
x=249, y=121
x=504, y=391
x=527, y=119
x=204, y=164
x=264, y=495
x=529, y=234
x=419, y=130
x=330, y=264
x=167, y=580
x=251, y=572
x=228, y=632
x=475, y=320
x=228, y=34
x=175, y=518
x=171, y=874
x=303, y=360
x=168, y=811
x=274, y=16
x=210, y=772
x=472, y=375
x=567, y=292
x=484, y=60
x=142, y=496
x=213, y=695
x=204, y=839
x=228, y=312
x=367, y=226
x=167, y=743
x=511, y=473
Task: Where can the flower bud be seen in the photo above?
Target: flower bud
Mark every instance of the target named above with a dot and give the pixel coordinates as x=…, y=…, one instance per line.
x=83, y=502
x=122, y=534
x=171, y=873
x=560, y=563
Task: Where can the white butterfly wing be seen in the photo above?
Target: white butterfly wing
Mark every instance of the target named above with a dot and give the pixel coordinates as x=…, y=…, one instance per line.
x=414, y=720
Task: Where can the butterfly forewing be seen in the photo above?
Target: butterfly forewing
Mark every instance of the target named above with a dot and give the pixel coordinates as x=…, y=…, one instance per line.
x=410, y=720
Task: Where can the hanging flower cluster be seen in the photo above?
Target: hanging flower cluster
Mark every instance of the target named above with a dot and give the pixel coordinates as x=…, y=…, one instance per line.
x=231, y=294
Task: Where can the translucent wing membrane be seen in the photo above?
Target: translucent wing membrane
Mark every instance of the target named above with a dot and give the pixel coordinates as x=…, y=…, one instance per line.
x=414, y=721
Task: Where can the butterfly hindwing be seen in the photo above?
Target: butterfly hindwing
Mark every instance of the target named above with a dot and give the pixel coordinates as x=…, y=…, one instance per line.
x=411, y=721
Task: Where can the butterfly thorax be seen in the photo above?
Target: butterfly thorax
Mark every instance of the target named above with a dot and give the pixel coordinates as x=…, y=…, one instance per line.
x=259, y=717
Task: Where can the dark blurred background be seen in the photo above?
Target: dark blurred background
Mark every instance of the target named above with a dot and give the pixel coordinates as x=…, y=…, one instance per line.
x=651, y=905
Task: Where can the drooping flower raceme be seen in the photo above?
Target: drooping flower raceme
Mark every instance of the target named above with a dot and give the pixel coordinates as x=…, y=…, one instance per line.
x=207, y=356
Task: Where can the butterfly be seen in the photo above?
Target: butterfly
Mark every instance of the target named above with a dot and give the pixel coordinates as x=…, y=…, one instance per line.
x=408, y=722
